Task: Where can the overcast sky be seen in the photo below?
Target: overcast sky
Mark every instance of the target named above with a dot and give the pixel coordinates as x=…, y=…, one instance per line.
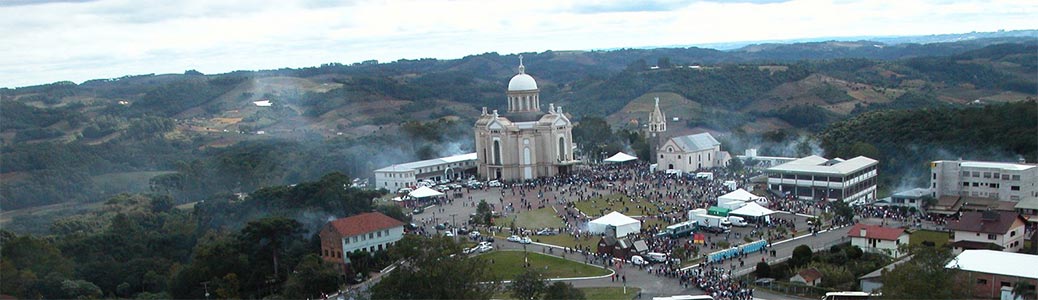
x=48, y=41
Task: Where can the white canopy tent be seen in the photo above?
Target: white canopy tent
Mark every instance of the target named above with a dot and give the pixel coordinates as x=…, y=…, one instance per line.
x=620, y=157
x=624, y=225
x=424, y=192
x=752, y=209
x=738, y=195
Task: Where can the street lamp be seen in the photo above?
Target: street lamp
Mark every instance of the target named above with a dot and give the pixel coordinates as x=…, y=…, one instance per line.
x=454, y=227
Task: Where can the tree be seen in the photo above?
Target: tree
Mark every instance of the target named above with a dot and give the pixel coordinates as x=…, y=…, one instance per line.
x=528, y=285
x=270, y=233
x=563, y=291
x=311, y=278
x=801, y=256
x=483, y=214
x=433, y=268
x=1024, y=290
x=763, y=270
x=924, y=277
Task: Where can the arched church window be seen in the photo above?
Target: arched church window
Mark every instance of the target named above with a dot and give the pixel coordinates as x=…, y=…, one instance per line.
x=562, y=148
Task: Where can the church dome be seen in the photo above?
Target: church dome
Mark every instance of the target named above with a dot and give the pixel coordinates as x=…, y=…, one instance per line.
x=522, y=82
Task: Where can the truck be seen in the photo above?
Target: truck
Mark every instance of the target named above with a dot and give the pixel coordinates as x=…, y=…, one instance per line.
x=702, y=219
x=678, y=230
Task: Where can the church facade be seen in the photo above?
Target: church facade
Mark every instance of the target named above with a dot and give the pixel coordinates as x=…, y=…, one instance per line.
x=524, y=143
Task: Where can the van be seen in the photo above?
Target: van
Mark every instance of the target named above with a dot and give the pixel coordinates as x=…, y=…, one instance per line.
x=656, y=256
x=737, y=221
x=638, y=261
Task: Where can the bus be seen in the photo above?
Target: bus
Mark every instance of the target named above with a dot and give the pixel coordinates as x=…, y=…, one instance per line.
x=849, y=296
x=678, y=230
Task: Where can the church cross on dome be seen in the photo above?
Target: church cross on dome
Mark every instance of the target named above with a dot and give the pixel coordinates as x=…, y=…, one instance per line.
x=522, y=68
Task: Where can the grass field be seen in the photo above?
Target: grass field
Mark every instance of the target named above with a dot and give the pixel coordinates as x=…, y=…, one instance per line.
x=538, y=218
x=597, y=207
x=130, y=182
x=610, y=293
x=592, y=293
x=939, y=238
x=508, y=264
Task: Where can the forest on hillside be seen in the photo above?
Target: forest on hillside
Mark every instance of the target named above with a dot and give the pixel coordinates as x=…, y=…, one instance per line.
x=193, y=135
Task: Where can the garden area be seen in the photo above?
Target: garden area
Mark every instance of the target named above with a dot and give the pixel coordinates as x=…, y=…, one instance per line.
x=938, y=238
x=839, y=266
x=509, y=264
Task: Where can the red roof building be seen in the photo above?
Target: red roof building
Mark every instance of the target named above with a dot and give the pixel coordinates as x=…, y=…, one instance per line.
x=367, y=232
x=878, y=239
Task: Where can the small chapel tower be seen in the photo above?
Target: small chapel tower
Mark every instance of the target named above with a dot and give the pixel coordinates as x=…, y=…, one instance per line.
x=657, y=128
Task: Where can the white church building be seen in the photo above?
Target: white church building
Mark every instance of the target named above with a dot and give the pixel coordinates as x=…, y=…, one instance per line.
x=691, y=153
x=524, y=143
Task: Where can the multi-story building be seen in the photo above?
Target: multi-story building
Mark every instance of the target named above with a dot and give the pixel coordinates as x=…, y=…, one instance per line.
x=878, y=239
x=979, y=179
x=1001, y=230
x=691, y=153
x=817, y=178
x=407, y=175
x=367, y=232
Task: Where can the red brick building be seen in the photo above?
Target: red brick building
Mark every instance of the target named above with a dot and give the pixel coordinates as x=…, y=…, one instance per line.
x=368, y=232
x=986, y=272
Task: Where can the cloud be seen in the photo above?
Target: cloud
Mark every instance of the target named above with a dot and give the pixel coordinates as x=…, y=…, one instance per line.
x=47, y=41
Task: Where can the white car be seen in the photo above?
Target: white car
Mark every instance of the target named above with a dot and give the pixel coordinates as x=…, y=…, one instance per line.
x=474, y=234
x=638, y=261
x=494, y=183
x=514, y=238
x=525, y=240
x=485, y=248
x=449, y=234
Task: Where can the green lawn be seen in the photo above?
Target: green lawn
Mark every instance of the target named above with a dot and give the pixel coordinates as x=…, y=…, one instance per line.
x=939, y=238
x=610, y=293
x=508, y=264
x=593, y=293
x=594, y=207
x=538, y=218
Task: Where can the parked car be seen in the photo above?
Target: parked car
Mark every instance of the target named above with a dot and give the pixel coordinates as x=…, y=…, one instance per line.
x=449, y=234
x=470, y=250
x=514, y=238
x=485, y=248
x=474, y=234
x=525, y=240
x=441, y=226
x=494, y=183
x=638, y=261
x=716, y=229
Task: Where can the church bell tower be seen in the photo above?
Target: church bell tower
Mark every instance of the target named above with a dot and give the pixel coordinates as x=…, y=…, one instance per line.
x=657, y=128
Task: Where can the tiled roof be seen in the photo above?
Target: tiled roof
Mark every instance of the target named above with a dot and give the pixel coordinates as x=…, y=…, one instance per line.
x=875, y=232
x=997, y=222
x=810, y=274
x=364, y=223
x=696, y=142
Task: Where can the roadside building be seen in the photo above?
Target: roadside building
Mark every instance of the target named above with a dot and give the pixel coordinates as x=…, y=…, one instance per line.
x=366, y=232
x=873, y=281
x=878, y=239
x=914, y=198
x=407, y=175
x=997, y=230
x=990, y=273
x=817, y=178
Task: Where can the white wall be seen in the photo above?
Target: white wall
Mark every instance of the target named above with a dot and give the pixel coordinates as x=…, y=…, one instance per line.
x=364, y=242
x=394, y=181
x=1015, y=235
x=886, y=247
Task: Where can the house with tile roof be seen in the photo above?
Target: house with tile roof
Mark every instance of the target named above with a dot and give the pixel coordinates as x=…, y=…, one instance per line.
x=992, y=230
x=366, y=232
x=809, y=276
x=878, y=239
